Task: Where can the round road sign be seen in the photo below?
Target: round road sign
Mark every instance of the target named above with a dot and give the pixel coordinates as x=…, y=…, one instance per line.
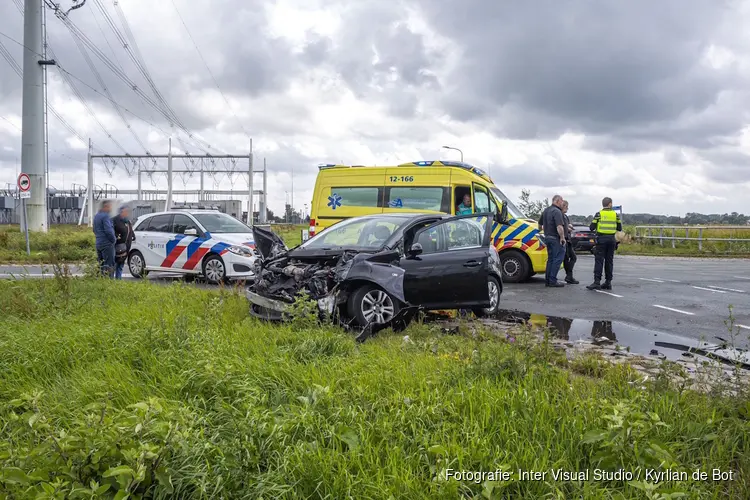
x=24, y=183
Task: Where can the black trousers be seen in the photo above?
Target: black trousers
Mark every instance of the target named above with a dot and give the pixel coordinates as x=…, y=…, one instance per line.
x=570, y=260
x=604, y=254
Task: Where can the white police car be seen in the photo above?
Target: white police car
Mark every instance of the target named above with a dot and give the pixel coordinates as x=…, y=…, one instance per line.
x=192, y=242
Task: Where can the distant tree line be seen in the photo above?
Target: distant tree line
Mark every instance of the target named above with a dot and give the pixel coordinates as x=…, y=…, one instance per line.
x=534, y=208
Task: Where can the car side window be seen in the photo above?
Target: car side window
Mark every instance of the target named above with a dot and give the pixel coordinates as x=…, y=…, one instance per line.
x=452, y=235
x=430, y=240
x=182, y=222
x=160, y=223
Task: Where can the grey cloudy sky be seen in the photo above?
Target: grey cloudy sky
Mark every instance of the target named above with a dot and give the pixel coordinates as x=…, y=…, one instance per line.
x=643, y=101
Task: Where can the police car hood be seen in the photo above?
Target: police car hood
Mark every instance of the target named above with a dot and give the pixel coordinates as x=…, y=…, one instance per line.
x=245, y=239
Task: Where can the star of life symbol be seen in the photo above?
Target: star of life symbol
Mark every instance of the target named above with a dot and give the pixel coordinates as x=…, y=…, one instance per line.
x=334, y=201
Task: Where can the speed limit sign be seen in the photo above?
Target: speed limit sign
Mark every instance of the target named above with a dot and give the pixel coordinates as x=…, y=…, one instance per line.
x=24, y=185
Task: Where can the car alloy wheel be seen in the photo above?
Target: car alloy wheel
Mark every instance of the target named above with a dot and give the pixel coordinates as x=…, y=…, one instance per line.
x=494, y=297
x=377, y=307
x=136, y=265
x=214, y=270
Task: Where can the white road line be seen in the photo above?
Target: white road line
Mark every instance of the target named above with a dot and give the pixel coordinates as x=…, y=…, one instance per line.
x=744, y=326
x=609, y=293
x=709, y=289
x=649, y=279
x=672, y=281
x=727, y=289
x=741, y=277
x=674, y=310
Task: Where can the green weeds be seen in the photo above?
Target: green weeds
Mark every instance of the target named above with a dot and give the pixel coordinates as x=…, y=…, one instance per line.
x=128, y=390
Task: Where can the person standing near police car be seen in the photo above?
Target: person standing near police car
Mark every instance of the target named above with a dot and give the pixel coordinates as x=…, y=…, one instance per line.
x=606, y=224
x=570, y=259
x=553, y=226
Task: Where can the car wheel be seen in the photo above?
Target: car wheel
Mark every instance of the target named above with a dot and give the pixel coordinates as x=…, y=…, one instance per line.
x=372, y=305
x=214, y=269
x=137, y=265
x=515, y=267
x=493, y=286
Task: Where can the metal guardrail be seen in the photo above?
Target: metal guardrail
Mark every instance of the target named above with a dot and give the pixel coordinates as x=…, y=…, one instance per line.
x=674, y=234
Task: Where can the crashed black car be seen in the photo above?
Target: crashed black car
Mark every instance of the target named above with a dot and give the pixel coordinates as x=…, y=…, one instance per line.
x=367, y=269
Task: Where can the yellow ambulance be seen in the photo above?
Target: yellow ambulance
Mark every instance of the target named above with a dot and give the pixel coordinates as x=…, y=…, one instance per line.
x=343, y=191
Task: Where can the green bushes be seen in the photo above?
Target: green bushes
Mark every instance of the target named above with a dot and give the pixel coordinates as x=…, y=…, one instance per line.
x=142, y=391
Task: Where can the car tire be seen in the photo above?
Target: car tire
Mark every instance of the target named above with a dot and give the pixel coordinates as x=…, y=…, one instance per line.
x=495, y=293
x=214, y=269
x=372, y=305
x=137, y=265
x=515, y=266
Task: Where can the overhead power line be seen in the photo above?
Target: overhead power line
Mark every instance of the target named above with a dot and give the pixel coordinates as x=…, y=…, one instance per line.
x=209, y=69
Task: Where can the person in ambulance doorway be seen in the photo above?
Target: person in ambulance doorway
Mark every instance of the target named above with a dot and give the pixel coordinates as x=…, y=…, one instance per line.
x=606, y=223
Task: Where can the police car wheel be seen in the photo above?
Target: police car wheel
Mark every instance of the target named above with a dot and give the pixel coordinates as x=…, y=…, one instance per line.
x=370, y=305
x=137, y=265
x=515, y=267
x=493, y=287
x=214, y=269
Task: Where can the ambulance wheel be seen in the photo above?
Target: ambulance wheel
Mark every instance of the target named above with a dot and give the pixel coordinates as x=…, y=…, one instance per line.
x=515, y=266
x=214, y=269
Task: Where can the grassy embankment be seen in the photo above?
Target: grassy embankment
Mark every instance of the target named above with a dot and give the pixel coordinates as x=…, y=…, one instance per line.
x=171, y=391
x=75, y=244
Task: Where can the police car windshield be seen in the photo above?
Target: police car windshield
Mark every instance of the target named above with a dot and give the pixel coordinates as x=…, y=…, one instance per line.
x=369, y=233
x=221, y=223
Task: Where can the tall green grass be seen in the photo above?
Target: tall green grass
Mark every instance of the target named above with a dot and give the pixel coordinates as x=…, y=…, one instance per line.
x=170, y=391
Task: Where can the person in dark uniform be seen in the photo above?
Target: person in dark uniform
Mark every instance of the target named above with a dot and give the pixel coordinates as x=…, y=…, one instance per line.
x=553, y=227
x=606, y=223
x=570, y=254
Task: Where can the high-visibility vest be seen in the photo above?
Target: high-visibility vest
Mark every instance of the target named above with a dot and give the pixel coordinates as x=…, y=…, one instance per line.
x=607, y=222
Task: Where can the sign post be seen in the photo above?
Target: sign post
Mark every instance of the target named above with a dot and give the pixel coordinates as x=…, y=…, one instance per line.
x=24, y=192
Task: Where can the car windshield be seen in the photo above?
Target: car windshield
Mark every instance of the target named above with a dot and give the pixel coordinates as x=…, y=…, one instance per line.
x=368, y=233
x=221, y=223
x=512, y=212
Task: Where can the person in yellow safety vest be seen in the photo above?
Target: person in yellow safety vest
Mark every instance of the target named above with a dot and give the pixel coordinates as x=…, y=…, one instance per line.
x=606, y=223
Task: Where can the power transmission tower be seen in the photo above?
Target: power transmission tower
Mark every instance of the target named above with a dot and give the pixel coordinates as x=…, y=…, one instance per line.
x=33, y=157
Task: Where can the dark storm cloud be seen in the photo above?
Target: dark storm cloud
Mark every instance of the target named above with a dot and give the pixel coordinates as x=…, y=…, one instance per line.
x=592, y=67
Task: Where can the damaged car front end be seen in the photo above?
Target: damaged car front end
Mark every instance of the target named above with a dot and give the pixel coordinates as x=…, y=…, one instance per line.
x=327, y=277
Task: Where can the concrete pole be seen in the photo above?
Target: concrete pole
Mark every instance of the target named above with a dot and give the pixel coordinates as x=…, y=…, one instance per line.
x=32, y=135
x=250, y=185
x=169, y=177
x=140, y=183
x=90, y=185
x=292, y=204
x=264, y=214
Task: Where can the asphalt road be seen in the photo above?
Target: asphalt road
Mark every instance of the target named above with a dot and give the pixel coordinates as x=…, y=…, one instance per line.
x=682, y=296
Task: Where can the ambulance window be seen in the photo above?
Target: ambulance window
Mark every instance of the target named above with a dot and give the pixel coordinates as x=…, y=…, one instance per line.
x=418, y=198
x=482, y=200
x=356, y=196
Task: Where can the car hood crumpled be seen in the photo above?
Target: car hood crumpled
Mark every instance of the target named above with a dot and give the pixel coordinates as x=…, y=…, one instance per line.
x=281, y=275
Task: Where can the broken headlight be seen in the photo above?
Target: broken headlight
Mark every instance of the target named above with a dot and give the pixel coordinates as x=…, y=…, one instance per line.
x=240, y=250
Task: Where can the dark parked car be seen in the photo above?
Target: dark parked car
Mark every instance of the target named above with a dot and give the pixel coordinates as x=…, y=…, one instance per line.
x=369, y=268
x=583, y=238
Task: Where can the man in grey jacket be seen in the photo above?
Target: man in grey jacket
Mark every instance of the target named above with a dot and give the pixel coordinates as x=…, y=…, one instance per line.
x=105, y=239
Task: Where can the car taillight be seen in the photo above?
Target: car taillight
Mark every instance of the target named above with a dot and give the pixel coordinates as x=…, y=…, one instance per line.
x=311, y=230
x=579, y=235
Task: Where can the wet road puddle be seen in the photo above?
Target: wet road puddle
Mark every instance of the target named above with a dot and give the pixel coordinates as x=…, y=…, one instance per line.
x=640, y=340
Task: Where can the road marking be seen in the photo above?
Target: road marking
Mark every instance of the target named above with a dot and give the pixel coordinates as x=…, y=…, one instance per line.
x=649, y=279
x=672, y=281
x=674, y=310
x=727, y=289
x=744, y=326
x=708, y=289
x=609, y=293
x=741, y=277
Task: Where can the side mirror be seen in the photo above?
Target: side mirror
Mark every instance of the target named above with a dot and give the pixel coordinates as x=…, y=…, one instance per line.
x=191, y=232
x=501, y=217
x=415, y=249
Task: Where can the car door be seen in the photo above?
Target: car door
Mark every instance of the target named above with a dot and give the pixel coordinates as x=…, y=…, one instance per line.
x=156, y=240
x=453, y=268
x=181, y=246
